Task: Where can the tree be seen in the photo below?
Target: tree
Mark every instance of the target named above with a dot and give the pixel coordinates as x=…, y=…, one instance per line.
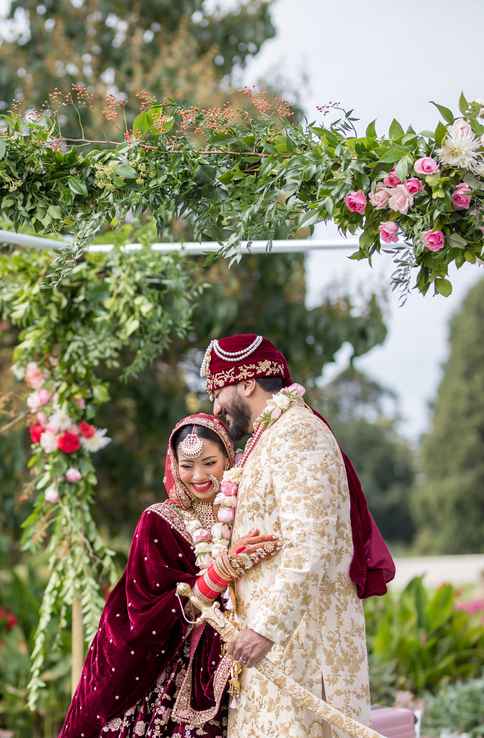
x=168, y=49
x=449, y=503
x=364, y=416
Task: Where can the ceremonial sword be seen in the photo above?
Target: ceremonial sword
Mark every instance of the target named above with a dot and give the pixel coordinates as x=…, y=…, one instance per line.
x=212, y=615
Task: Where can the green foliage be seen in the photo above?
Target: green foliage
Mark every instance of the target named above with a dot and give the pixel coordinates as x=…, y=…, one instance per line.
x=423, y=638
x=231, y=176
x=449, y=502
x=456, y=709
x=112, y=311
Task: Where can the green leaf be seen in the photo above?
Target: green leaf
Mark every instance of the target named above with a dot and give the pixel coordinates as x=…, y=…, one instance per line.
x=457, y=241
x=446, y=113
x=440, y=132
x=443, y=286
x=396, y=130
x=3, y=148
x=281, y=144
x=55, y=212
x=395, y=153
x=125, y=171
x=131, y=326
x=77, y=186
x=463, y=103
x=371, y=129
x=403, y=167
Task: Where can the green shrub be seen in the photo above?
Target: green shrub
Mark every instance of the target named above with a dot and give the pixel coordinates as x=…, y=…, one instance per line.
x=419, y=640
x=458, y=708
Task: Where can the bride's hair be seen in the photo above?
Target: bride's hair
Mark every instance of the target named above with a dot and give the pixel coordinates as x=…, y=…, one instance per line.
x=200, y=431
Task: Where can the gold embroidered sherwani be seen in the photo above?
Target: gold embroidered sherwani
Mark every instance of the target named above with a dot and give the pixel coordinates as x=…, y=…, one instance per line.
x=294, y=485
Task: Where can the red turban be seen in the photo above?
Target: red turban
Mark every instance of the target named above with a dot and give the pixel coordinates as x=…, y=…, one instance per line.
x=233, y=359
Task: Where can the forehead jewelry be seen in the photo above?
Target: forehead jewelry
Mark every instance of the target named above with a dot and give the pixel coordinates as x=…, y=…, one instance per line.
x=192, y=445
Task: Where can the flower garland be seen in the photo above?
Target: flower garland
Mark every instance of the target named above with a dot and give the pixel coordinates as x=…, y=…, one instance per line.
x=210, y=544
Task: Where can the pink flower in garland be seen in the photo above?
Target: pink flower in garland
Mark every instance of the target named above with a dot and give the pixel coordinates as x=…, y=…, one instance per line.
x=36, y=431
x=426, y=165
x=433, y=240
x=414, y=185
x=52, y=494
x=400, y=199
x=379, y=198
x=86, y=429
x=73, y=475
x=389, y=231
x=461, y=198
x=34, y=376
x=392, y=179
x=68, y=443
x=356, y=202
x=37, y=399
x=48, y=441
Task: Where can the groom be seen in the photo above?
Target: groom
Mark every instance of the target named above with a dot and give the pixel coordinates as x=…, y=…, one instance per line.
x=301, y=609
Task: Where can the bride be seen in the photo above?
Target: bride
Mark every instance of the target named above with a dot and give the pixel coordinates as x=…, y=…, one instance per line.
x=148, y=671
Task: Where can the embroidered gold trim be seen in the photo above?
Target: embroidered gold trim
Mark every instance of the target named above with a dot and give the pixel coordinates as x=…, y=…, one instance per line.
x=183, y=710
x=169, y=512
x=240, y=373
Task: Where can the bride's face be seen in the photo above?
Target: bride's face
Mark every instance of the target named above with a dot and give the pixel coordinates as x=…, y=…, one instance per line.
x=202, y=476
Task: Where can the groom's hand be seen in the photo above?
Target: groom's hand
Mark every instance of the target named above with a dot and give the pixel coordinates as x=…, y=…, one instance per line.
x=249, y=647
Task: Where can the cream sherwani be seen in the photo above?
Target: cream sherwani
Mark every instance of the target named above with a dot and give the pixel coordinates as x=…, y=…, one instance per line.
x=294, y=485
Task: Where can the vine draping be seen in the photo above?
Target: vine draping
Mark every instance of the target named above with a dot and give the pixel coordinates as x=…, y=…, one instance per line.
x=227, y=176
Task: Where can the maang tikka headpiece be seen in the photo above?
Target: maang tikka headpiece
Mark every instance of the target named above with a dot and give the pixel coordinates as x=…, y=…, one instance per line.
x=192, y=445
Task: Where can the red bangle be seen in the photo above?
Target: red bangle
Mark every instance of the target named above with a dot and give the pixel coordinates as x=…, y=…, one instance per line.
x=205, y=589
x=241, y=549
x=215, y=577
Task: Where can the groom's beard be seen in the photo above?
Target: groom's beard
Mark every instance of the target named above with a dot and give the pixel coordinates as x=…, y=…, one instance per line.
x=237, y=418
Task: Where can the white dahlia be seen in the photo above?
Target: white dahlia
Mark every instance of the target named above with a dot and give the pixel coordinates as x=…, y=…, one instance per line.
x=460, y=146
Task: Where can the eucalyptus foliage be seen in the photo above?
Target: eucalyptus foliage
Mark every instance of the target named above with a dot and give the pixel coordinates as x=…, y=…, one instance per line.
x=110, y=313
x=235, y=176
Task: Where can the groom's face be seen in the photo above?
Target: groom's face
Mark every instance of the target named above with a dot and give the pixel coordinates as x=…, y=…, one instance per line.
x=234, y=410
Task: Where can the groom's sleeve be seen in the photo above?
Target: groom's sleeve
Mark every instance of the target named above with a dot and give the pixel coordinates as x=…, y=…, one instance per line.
x=306, y=476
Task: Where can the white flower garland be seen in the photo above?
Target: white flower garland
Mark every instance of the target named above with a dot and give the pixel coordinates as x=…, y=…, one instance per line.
x=210, y=544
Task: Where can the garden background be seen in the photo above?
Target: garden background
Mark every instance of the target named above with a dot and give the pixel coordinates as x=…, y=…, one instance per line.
x=425, y=491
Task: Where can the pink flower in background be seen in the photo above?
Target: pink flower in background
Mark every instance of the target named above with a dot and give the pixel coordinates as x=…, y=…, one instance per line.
x=48, y=441
x=73, y=475
x=426, y=165
x=433, y=240
x=414, y=185
x=400, y=199
x=68, y=443
x=356, y=202
x=461, y=198
x=379, y=198
x=37, y=399
x=34, y=376
x=36, y=431
x=87, y=430
x=471, y=606
x=52, y=494
x=388, y=232
x=392, y=179
x=80, y=402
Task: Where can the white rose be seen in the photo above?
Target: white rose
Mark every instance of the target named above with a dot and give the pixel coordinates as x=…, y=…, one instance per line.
x=281, y=401
x=217, y=530
x=98, y=441
x=48, y=441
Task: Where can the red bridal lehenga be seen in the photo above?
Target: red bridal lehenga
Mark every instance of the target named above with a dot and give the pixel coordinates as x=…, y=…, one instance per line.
x=148, y=672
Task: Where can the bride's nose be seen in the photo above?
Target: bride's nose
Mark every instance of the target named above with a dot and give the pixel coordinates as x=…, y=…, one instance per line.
x=199, y=475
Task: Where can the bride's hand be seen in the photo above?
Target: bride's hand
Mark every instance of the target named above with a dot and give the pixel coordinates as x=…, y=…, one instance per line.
x=254, y=542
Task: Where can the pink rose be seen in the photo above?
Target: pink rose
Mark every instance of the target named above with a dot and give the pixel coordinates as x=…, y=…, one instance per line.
x=414, y=185
x=433, y=240
x=202, y=536
x=392, y=179
x=52, y=495
x=356, y=202
x=400, y=199
x=379, y=198
x=37, y=399
x=388, y=232
x=461, y=198
x=226, y=532
x=426, y=165
x=297, y=388
x=73, y=475
x=229, y=489
x=226, y=514
x=34, y=376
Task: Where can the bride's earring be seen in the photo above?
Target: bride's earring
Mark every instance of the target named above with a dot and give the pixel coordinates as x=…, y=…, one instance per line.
x=215, y=482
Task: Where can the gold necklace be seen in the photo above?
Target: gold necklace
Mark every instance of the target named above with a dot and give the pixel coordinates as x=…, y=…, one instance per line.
x=203, y=511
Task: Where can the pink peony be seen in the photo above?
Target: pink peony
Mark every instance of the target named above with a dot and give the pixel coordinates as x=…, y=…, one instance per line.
x=356, y=202
x=379, y=198
x=229, y=489
x=433, y=240
x=414, y=185
x=392, y=179
x=68, y=443
x=461, y=198
x=34, y=376
x=73, y=475
x=400, y=199
x=388, y=232
x=426, y=165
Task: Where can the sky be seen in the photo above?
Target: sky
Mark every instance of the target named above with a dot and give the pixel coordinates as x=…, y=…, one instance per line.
x=385, y=59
